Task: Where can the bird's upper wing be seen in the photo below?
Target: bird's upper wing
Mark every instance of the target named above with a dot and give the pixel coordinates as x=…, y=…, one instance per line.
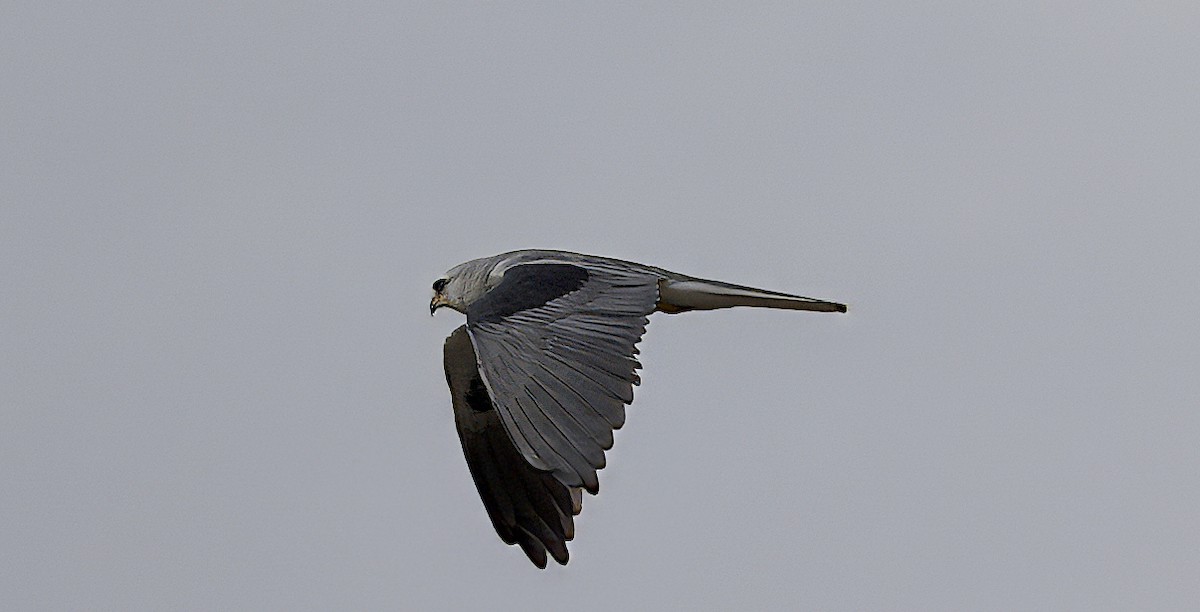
x=556, y=345
x=527, y=507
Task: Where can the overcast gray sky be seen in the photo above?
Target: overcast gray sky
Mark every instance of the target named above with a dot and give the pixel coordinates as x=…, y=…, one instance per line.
x=222, y=390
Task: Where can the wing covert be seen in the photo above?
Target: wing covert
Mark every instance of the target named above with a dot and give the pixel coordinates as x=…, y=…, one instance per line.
x=561, y=371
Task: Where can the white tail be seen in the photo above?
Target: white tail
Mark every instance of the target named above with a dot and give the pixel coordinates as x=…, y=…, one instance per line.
x=697, y=294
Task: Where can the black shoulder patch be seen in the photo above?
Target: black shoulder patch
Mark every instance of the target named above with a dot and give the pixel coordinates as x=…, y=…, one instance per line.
x=527, y=286
x=477, y=396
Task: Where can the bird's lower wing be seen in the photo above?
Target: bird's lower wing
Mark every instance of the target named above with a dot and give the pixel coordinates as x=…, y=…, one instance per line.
x=527, y=507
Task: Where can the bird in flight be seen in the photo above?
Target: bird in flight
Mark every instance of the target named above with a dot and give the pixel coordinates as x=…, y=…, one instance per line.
x=540, y=374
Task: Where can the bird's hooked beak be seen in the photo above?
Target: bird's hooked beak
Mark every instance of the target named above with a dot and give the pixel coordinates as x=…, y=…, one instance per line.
x=437, y=302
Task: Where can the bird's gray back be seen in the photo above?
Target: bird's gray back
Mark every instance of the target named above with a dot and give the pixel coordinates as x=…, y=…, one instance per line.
x=498, y=264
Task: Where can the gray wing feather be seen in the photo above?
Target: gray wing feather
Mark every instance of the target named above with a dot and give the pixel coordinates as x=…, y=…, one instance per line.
x=561, y=373
x=527, y=507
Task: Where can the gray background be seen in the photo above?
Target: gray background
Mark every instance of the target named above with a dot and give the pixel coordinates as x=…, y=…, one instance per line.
x=222, y=390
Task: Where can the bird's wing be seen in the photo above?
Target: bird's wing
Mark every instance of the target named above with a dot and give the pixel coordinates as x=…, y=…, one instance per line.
x=528, y=507
x=556, y=345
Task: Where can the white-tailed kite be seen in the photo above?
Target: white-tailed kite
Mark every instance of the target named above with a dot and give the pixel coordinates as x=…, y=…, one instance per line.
x=540, y=375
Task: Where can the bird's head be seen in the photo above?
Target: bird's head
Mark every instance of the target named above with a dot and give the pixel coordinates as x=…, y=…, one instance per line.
x=439, y=295
x=460, y=287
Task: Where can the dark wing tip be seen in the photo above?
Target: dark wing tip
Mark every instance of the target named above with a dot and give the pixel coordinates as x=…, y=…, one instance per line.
x=533, y=549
